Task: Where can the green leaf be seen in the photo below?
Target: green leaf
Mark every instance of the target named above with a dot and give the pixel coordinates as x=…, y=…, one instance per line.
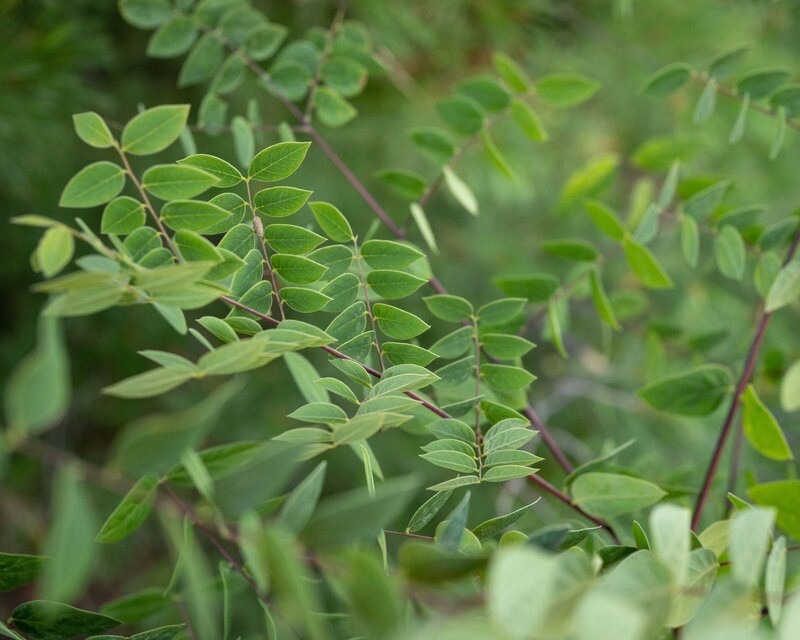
x=511, y=73
x=122, y=216
x=332, y=222
x=762, y=429
x=349, y=323
x=387, y=254
x=778, y=134
x=454, y=344
x=534, y=288
x=690, y=239
x=462, y=115
x=331, y=108
x=455, y=483
x=171, y=182
x=774, y=579
x=454, y=460
x=304, y=300
x=460, y=190
x=666, y=80
x=226, y=174
x=760, y=84
x=751, y=534
x=505, y=377
x=491, y=528
x=85, y=301
x=406, y=184
x=608, y=495
x=486, y=91
x=243, y=139
x=425, y=513
x=577, y=249
x=93, y=185
x=93, y=130
x=508, y=440
x=17, y=570
x=291, y=239
x=588, y=181
x=291, y=79
x=707, y=200
x=737, y=132
x=297, y=269
x=45, y=620
x=264, y=40
x=730, y=253
x=54, y=251
x=601, y=301
x=510, y=457
x=790, y=388
x=69, y=545
x=449, y=308
x=300, y=505
x=278, y=161
x=669, y=530
x=421, y=220
x=435, y=143
x=131, y=513
x=393, y=285
x=344, y=75
x=173, y=38
x=644, y=264
x=495, y=156
x=306, y=378
x=707, y=102
x=788, y=99
x=505, y=347
x=145, y=14
x=565, y=90
x=149, y=384
x=783, y=495
x=192, y=215
x=696, y=392
x=785, y=288
x=203, y=61
x=404, y=353
x=527, y=120
x=397, y=323
x=501, y=311
x=320, y=413
x=154, y=130
x=503, y=473
x=279, y=202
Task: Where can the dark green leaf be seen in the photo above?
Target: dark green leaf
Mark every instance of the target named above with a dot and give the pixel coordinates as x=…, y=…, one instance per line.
x=696, y=392
x=131, y=512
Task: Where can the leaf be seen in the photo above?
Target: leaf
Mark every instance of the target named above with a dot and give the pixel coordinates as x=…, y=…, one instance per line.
x=145, y=14
x=707, y=200
x=455, y=460
x=455, y=483
x=203, y=61
x=785, y=288
x=527, y=120
x=407, y=184
x=131, y=513
x=280, y=202
x=45, y=620
x=690, y=239
x=762, y=429
x=563, y=91
x=605, y=219
x=508, y=440
x=449, y=308
x=93, y=130
x=302, y=501
x=534, y=288
x=730, y=253
x=331, y=108
x=171, y=182
x=463, y=115
x=69, y=545
x=511, y=73
x=696, y=392
x=154, y=130
x=226, y=174
x=398, y=323
x=304, y=300
x=421, y=220
x=644, y=264
x=491, y=528
x=344, y=75
x=297, y=269
x=505, y=377
x=17, y=570
x=505, y=472
x=774, y=579
x=93, y=185
x=435, y=143
x=122, y=216
x=85, y=301
x=425, y=513
x=588, y=181
x=278, y=161
x=737, y=132
x=495, y=156
x=27, y=409
x=393, y=285
x=779, y=133
x=332, y=222
x=666, y=80
x=601, y=302
x=505, y=347
x=760, y=84
x=669, y=531
x=790, y=388
x=173, y=38
x=291, y=239
x=707, y=102
x=54, y=251
x=751, y=534
x=608, y=495
x=501, y=311
x=149, y=384
x=783, y=495
x=320, y=413
x=460, y=190
x=387, y=254
x=192, y=215
x=573, y=249
x=264, y=40
x=486, y=91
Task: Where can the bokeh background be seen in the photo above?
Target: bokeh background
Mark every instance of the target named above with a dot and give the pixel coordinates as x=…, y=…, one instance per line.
x=58, y=58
